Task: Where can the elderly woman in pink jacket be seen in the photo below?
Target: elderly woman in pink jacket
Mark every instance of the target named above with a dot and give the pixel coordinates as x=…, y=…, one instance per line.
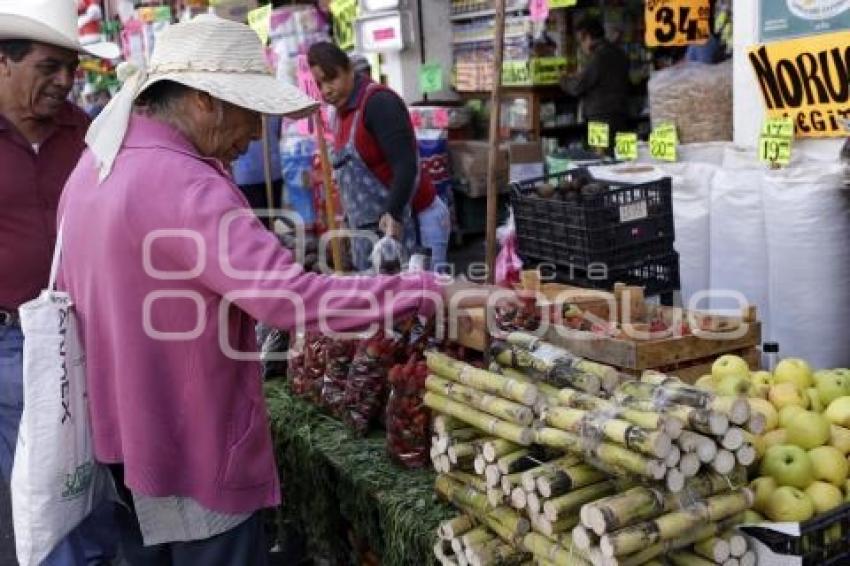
x=169, y=270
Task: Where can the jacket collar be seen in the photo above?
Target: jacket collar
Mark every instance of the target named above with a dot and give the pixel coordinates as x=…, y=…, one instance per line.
x=144, y=132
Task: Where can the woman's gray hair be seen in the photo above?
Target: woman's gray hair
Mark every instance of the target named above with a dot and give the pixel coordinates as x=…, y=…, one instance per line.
x=163, y=100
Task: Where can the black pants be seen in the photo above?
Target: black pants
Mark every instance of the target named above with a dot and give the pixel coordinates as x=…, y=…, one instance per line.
x=256, y=195
x=244, y=545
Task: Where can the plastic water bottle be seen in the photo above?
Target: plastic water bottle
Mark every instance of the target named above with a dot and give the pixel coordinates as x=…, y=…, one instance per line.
x=770, y=355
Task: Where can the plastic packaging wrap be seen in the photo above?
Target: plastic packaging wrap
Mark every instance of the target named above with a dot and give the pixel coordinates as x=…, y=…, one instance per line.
x=338, y=357
x=508, y=264
x=274, y=343
x=695, y=97
x=388, y=256
x=307, y=366
x=407, y=418
x=366, y=388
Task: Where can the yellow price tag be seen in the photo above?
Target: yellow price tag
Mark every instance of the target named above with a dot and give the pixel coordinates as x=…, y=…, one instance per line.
x=554, y=4
x=775, y=150
x=260, y=21
x=778, y=127
x=676, y=22
x=431, y=78
x=516, y=73
x=663, y=141
x=625, y=146
x=598, y=134
x=344, y=13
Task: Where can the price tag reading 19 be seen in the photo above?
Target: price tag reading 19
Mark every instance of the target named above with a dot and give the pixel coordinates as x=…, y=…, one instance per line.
x=677, y=22
x=775, y=141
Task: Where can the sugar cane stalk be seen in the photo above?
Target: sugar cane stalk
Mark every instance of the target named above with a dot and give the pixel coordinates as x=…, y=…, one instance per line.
x=515, y=390
x=569, y=503
x=496, y=406
x=560, y=480
x=494, y=426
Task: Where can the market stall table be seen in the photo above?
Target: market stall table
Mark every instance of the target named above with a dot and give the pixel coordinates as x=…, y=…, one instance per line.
x=333, y=481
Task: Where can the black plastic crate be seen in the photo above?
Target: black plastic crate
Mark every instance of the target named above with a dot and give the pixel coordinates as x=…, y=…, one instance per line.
x=656, y=274
x=613, y=227
x=824, y=540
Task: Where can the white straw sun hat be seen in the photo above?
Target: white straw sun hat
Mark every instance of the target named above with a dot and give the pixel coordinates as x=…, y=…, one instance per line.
x=208, y=53
x=49, y=21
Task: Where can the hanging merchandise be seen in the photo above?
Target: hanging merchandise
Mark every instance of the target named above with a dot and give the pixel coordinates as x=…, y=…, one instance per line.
x=344, y=15
x=139, y=34
x=89, y=21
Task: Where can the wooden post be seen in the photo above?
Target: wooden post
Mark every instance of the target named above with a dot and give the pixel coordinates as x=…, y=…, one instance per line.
x=495, y=121
x=327, y=179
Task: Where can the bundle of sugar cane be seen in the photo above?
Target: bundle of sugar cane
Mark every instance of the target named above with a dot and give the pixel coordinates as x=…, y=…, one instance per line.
x=493, y=426
x=632, y=539
x=551, y=552
x=650, y=419
x=498, y=407
x=442, y=441
x=653, y=551
x=522, y=392
x=652, y=443
x=558, y=373
x=642, y=503
x=501, y=519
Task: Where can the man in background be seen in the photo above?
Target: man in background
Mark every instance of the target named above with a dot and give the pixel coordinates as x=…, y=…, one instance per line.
x=603, y=84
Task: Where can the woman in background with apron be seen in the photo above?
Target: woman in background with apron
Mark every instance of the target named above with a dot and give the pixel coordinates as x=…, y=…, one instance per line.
x=376, y=161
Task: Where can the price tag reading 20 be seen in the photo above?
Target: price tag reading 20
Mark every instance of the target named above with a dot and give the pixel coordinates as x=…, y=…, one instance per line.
x=677, y=22
x=662, y=143
x=626, y=146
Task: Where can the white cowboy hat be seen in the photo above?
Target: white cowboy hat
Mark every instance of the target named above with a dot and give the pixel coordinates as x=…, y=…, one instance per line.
x=49, y=21
x=220, y=57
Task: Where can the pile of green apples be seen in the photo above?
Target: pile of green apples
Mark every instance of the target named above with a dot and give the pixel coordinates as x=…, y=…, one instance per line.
x=803, y=468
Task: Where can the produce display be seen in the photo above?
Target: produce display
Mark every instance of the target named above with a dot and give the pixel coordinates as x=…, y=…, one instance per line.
x=407, y=420
x=583, y=474
x=803, y=470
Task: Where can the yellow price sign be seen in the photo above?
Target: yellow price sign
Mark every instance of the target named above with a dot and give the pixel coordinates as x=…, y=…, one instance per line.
x=775, y=150
x=260, y=21
x=598, y=134
x=344, y=14
x=625, y=146
x=662, y=143
x=677, y=22
x=778, y=127
x=555, y=4
x=516, y=73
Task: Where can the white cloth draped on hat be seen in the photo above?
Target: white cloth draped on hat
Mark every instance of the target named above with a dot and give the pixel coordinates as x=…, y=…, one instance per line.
x=208, y=53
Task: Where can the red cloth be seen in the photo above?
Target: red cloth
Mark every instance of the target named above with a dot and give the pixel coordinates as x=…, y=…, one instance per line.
x=29, y=194
x=370, y=151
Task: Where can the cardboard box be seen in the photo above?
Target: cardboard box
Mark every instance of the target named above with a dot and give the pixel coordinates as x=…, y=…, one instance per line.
x=526, y=161
x=469, y=166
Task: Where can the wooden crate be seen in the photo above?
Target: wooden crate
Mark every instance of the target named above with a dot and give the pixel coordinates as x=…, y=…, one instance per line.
x=692, y=370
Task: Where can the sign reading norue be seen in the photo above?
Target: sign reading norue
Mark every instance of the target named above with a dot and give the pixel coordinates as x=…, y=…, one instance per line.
x=808, y=80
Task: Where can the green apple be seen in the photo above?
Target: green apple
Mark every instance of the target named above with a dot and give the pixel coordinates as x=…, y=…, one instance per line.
x=706, y=382
x=815, y=403
x=788, y=413
x=761, y=377
x=789, y=465
x=733, y=385
x=774, y=438
x=794, y=370
x=784, y=394
x=729, y=365
x=752, y=517
x=790, y=505
x=831, y=385
x=763, y=488
x=829, y=464
x=759, y=391
x=824, y=496
x=808, y=430
x=839, y=438
x=838, y=411
x=766, y=409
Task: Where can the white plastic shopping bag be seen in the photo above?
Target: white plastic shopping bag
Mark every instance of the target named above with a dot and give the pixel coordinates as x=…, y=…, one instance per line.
x=55, y=480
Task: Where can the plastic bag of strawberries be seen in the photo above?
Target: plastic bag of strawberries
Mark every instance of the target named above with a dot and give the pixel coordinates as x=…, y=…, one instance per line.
x=407, y=418
x=366, y=388
x=307, y=366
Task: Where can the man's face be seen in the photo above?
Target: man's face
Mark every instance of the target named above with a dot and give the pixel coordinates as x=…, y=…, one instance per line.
x=225, y=134
x=336, y=90
x=586, y=42
x=41, y=81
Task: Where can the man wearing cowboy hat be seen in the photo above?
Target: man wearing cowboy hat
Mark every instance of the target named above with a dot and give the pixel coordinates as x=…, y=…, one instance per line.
x=41, y=139
x=169, y=269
